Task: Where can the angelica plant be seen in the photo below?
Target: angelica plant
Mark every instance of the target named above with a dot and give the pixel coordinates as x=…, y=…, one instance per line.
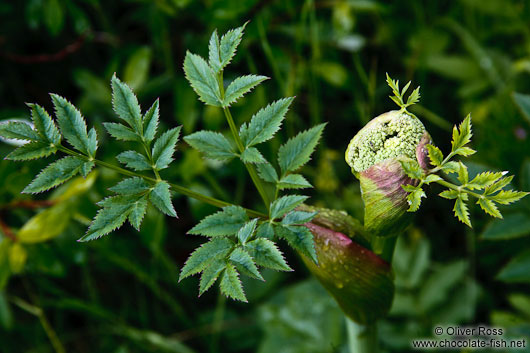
x=394, y=157
x=239, y=240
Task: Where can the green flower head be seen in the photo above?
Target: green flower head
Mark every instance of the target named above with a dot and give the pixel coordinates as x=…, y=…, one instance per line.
x=390, y=135
x=374, y=155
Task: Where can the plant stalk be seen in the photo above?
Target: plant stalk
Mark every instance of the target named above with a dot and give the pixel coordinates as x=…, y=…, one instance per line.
x=175, y=187
x=361, y=338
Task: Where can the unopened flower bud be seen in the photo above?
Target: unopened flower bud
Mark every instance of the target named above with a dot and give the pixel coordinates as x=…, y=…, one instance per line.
x=374, y=155
x=360, y=281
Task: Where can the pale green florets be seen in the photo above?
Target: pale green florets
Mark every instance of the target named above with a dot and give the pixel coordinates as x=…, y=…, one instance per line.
x=390, y=135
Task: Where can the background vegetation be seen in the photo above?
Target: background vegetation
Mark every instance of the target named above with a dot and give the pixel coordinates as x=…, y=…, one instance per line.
x=120, y=293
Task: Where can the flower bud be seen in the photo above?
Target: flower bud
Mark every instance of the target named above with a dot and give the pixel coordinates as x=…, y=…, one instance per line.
x=374, y=155
x=360, y=281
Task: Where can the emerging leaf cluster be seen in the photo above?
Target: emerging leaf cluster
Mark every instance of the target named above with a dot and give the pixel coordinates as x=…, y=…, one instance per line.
x=399, y=95
x=487, y=187
x=238, y=245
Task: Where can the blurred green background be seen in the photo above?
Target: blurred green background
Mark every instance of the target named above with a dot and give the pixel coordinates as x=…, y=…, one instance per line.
x=120, y=294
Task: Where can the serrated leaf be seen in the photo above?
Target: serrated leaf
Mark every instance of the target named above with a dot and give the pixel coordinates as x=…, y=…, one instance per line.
x=463, y=175
x=161, y=198
x=150, y=121
x=137, y=212
x=449, y=194
x=203, y=256
x=44, y=124
x=56, y=173
x=244, y=263
x=498, y=185
x=462, y=135
x=293, y=181
x=298, y=217
x=114, y=213
x=31, y=150
x=299, y=238
x=451, y=167
x=121, y=132
x=19, y=131
x=285, y=204
x=222, y=51
x=164, y=148
x=225, y=222
x=72, y=124
x=435, y=155
x=414, y=199
x=482, y=180
x=266, y=254
x=86, y=168
x=210, y=275
x=461, y=211
x=125, y=104
x=252, y=155
x=414, y=97
x=247, y=230
x=231, y=284
x=465, y=151
x=265, y=230
x=134, y=160
x=431, y=178
x=241, y=86
x=412, y=169
x=506, y=197
x=202, y=79
x=489, y=207
x=213, y=144
x=214, y=58
x=131, y=186
x=267, y=172
x=297, y=151
x=92, y=142
x=265, y=123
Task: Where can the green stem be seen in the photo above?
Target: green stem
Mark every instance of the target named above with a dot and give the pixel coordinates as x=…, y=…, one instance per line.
x=175, y=187
x=250, y=168
x=459, y=188
x=361, y=338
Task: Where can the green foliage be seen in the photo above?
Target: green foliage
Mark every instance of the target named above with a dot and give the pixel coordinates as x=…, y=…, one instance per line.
x=399, y=96
x=240, y=86
x=213, y=144
x=297, y=151
x=491, y=183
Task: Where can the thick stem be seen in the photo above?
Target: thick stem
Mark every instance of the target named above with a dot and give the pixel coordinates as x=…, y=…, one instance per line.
x=175, y=187
x=361, y=338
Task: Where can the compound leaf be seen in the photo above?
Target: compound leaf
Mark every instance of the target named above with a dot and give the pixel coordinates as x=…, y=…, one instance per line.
x=126, y=105
x=165, y=147
x=299, y=238
x=210, y=275
x=267, y=172
x=19, y=131
x=150, y=121
x=247, y=230
x=265, y=123
x=72, y=125
x=134, y=160
x=225, y=222
x=31, y=150
x=252, y=155
x=266, y=254
x=293, y=181
x=461, y=210
x=121, y=132
x=231, y=284
x=56, y=173
x=285, y=204
x=203, y=256
x=161, y=198
x=213, y=144
x=202, y=79
x=241, y=86
x=244, y=263
x=297, y=151
x=44, y=124
x=131, y=186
